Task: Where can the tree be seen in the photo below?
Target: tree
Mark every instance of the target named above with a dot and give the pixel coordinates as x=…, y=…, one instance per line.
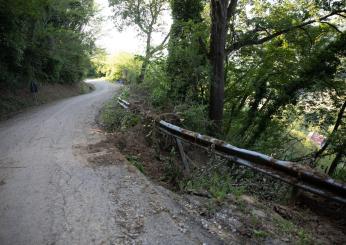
x=146, y=16
x=187, y=59
x=221, y=13
x=268, y=22
x=45, y=39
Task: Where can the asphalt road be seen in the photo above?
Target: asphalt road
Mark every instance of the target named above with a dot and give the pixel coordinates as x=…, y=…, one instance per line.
x=49, y=193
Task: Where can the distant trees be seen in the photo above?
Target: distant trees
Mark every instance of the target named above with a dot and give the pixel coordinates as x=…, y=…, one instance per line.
x=122, y=66
x=44, y=39
x=147, y=17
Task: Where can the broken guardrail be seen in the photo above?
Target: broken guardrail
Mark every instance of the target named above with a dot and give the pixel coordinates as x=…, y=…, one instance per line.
x=292, y=173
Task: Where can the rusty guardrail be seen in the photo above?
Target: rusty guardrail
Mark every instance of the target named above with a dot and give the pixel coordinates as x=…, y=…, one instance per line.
x=289, y=172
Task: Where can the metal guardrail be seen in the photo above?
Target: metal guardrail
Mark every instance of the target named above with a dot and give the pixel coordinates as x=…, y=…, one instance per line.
x=123, y=103
x=289, y=172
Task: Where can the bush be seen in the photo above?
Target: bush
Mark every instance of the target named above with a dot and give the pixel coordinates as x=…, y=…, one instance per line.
x=157, y=83
x=218, y=183
x=113, y=117
x=194, y=117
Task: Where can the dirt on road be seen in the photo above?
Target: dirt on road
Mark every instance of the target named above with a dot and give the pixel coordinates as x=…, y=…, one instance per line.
x=55, y=190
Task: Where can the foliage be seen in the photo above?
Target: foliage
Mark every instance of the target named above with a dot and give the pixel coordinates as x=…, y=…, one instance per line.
x=287, y=227
x=194, y=117
x=218, y=183
x=44, y=40
x=120, y=66
x=113, y=117
x=99, y=63
x=157, y=84
x=187, y=67
x=284, y=74
x=146, y=16
x=340, y=173
x=136, y=162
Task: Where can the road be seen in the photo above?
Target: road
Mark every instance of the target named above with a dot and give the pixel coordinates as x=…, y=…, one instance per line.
x=51, y=194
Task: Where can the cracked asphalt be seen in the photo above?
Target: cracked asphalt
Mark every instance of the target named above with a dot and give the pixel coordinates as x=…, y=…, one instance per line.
x=49, y=193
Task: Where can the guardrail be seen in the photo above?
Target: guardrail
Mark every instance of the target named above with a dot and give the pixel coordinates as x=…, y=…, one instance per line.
x=290, y=172
x=123, y=103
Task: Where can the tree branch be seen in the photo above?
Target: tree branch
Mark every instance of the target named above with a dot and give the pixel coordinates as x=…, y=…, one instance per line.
x=204, y=47
x=331, y=25
x=243, y=43
x=160, y=46
x=231, y=9
x=336, y=126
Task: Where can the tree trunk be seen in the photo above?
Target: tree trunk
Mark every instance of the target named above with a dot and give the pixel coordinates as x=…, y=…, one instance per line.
x=261, y=90
x=264, y=122
x=335, y=163
x=146, y=59
x=143, y=70
x=217, y=58
x=336, y=126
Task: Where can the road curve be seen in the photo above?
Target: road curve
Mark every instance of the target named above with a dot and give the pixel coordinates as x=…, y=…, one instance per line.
x=51, y=195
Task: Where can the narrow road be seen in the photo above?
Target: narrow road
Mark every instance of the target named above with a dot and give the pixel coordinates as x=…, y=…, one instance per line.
x=50, y=194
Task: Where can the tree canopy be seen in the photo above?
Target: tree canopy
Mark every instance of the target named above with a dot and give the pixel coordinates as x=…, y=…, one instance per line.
x=44, y=40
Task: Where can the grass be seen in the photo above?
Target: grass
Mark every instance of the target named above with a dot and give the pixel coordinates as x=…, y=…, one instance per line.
x=113, y=117
x=340, y=173
x=134, y=160
x=218, y=184
x=260, y=233
x=286, y=227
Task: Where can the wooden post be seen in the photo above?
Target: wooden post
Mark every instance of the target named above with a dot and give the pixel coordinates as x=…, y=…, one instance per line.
x=295, y=192
x=183, y=157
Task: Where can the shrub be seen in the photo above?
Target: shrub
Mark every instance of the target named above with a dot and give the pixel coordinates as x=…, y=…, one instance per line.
x=113, y=117
x=194, y=117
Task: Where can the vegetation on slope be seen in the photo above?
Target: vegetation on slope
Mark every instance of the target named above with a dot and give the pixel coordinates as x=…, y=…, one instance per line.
x=283, y=76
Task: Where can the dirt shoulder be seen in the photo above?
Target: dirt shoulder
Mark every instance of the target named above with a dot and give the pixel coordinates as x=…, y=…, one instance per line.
x=13, y=102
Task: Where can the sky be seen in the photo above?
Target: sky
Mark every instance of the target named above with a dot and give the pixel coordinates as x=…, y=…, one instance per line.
x=128, y=40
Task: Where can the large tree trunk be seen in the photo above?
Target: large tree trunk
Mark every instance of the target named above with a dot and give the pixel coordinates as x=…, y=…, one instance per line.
x=217, y=58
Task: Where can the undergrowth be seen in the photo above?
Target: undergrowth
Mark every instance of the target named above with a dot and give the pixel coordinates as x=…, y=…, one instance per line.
x=211, y=176
x=218, y=183
x=114, y=117
x=135, y=161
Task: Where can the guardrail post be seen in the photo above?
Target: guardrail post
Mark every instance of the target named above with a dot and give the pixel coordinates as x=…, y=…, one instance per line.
x=294, y=195
x=183, y=157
